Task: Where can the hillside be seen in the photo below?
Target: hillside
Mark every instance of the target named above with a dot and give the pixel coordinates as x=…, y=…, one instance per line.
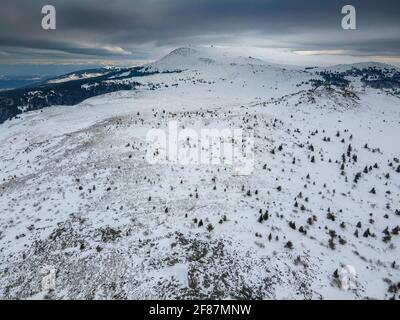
x=77, y=195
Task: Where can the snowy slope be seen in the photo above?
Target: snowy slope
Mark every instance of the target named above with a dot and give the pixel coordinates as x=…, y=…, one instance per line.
x=74, y=76
x=359, y=65
x=78, y=196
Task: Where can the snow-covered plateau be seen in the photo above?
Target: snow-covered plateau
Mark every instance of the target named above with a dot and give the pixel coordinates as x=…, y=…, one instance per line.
x=78, y=198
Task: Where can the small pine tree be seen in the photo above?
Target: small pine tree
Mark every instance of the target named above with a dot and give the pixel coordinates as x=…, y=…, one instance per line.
x=349, y=149
x=387, y=238
x=357, y=177
x=336, y=274
x=332, y=244
x=330, y=216
x=289, y=245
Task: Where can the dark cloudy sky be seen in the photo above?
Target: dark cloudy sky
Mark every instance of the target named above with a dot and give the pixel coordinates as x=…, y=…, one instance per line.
x=127, y=31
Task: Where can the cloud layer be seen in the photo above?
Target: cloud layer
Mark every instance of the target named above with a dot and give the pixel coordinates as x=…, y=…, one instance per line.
x=137, y=30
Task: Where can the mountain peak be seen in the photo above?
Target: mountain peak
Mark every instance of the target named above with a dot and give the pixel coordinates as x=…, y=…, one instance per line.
x=183, y=51
x=201, y=57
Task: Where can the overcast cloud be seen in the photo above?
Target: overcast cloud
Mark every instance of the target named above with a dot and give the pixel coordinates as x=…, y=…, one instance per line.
x=129, y=31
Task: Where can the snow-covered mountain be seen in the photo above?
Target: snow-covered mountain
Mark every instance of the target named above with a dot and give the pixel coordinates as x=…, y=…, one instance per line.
x=78, y=86
x=79, y=198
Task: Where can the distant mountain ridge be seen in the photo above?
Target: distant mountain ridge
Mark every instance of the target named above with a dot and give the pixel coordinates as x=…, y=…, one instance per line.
x=69, y=89
x=73, y=88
